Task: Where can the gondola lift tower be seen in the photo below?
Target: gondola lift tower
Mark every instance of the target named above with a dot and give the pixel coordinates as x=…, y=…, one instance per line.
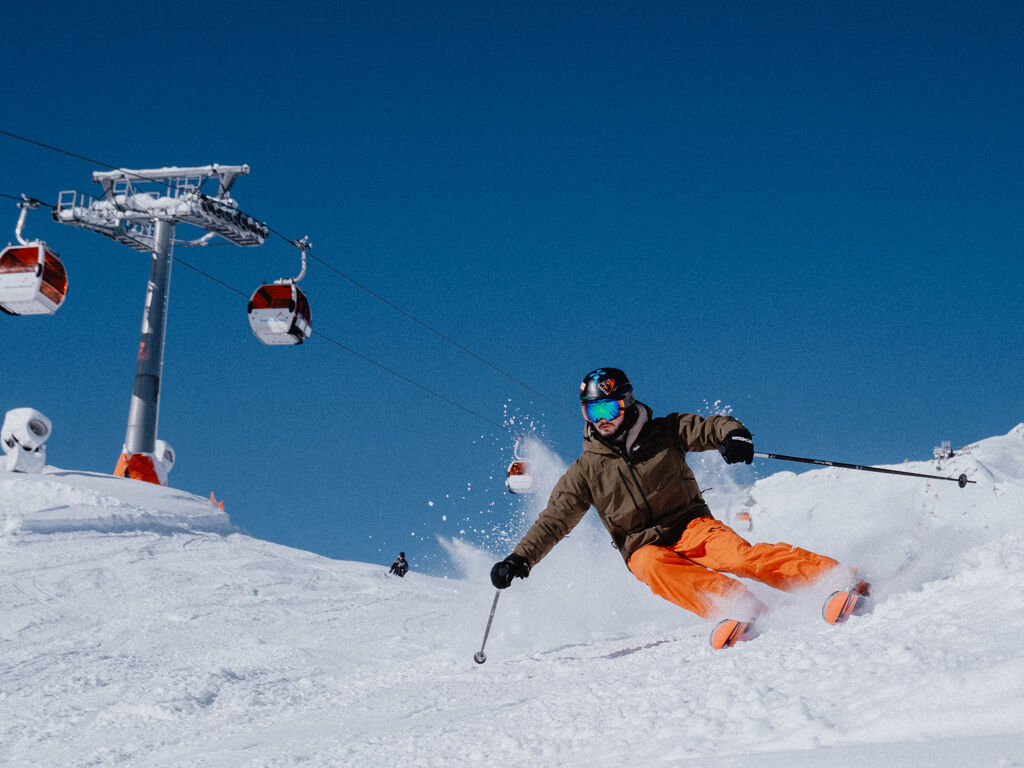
x=140, y=209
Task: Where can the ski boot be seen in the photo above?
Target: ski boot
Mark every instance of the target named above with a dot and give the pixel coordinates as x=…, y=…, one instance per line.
x=843, y=604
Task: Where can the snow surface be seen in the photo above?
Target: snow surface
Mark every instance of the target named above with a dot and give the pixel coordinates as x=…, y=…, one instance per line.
x=140, y=628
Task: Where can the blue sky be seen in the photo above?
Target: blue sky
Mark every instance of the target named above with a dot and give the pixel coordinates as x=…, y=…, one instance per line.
x=810, y=212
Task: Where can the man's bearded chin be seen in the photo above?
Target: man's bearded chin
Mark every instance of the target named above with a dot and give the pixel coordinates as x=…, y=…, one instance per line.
x=620, y=432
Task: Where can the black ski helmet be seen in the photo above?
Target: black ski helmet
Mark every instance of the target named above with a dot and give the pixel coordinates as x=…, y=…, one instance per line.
x=607, y=383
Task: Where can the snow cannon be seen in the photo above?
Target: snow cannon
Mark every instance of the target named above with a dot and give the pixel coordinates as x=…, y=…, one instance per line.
x=24, y=432
x=163, y=460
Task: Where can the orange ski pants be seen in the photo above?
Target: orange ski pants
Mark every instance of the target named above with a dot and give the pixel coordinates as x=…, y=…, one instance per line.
x=691, y=573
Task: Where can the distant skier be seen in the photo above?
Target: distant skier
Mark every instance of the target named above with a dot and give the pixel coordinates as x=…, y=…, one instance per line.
x=633, y=471
x=400, y=567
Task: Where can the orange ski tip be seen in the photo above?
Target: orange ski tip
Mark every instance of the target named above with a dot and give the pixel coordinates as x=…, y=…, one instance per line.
x=842, y=605
x=728, y=632
x=832, y=611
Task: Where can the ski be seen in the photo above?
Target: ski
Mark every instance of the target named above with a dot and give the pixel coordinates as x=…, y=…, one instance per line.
x=841, y=605
x=728, y=632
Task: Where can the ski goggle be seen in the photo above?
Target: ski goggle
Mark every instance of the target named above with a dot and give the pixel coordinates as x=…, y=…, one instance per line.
x=596, y=410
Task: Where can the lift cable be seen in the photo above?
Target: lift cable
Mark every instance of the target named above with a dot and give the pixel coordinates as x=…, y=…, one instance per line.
x=440, y=335
x=54, y=149
x=25, y=199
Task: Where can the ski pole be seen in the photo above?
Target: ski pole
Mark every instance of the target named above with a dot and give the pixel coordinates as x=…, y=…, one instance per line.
x=480, y=657
x=962, y=481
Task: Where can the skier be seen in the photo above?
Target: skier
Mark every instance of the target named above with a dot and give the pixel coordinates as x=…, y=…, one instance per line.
x=400, y=567
x=633, y=471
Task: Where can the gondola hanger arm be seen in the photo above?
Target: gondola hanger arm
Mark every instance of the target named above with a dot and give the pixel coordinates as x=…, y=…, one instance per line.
x=32, y=203
x=303, y=245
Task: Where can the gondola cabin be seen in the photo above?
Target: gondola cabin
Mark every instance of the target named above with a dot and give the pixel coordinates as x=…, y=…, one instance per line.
x=518, y=478
x=279, y=314
x=32, y=280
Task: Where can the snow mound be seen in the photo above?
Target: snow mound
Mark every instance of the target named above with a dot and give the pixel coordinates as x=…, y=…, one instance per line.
x=60, y=501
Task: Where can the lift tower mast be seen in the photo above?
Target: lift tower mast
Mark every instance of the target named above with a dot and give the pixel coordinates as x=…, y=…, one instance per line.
x=140, y=209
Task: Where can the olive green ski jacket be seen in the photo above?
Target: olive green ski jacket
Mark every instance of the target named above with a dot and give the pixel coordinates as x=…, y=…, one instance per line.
x=644, y=491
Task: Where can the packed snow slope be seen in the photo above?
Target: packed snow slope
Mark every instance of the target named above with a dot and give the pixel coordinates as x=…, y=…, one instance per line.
x=139, y=628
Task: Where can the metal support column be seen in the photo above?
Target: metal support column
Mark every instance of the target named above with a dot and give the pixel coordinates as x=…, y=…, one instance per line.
x=144, y=410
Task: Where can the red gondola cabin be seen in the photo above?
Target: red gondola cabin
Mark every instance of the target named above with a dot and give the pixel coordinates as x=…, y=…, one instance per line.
x=32, y=280
x=279, y=314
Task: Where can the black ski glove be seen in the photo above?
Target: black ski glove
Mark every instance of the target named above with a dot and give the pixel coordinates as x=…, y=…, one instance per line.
x=737, y=446
x=512, y=566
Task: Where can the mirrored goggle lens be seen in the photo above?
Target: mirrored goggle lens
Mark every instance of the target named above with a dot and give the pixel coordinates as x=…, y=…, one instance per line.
x=595, y=410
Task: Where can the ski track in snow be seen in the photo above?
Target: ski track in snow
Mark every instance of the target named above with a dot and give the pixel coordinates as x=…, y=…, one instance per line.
x=141, y=629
